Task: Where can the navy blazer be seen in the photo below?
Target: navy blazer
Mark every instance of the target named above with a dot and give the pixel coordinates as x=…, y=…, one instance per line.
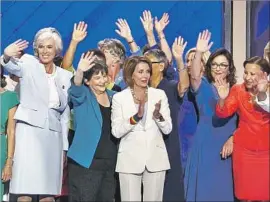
x=87, y=124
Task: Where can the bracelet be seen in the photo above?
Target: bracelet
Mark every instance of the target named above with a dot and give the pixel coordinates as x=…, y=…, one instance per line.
x=182, y=69
x=134, y=119
x=161, y=37
x=130, y=42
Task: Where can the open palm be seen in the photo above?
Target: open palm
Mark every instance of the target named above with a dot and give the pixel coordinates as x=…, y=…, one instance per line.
x=223, y=88
x=86, y=61
x=178, y=47
x=147, y=21
x=203, y=44
x=79, y=31
x=162, y=23
x=15, y=48
x=124, y=30
x=262, y=83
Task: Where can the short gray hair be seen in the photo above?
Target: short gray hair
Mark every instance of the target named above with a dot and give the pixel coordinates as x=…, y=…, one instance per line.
x=115, y=47
x=45, y=33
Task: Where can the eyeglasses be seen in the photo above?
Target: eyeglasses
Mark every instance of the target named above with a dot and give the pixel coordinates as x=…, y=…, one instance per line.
x=221, y=66
x=156, y=62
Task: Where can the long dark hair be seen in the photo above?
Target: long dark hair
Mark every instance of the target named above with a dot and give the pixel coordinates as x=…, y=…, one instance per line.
x=231, y=76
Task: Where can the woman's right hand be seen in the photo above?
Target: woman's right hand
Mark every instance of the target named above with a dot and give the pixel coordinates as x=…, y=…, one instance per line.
x=141, y=108
x=86, y=61
x=223, y=88
x=203, y=44
x=15, y=49
x=147, y=22
x=6, y=173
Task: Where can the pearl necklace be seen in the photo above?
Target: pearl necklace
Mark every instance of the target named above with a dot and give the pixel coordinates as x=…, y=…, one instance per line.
x=135, y=97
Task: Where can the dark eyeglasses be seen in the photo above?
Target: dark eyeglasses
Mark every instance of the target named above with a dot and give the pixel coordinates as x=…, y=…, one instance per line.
x=155, y=62
x=221, y=66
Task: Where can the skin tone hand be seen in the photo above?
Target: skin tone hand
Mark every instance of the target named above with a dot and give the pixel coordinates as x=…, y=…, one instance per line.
x=86, y=63
x=162, y=23
x=178, y=48
x=262, y=82
x=79, y=32
x=7, y=171
x=147, y=22
x=203, y=44
x=124, y=29
x=223, y=88
x=141, y=108
x=227, y=148
x=15, y=49
x=156, y=113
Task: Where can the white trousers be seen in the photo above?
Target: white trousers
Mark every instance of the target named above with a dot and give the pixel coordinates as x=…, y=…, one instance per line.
x=153, y=184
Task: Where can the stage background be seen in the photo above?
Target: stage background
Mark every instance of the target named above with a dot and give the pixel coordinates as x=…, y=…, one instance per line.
x=22, y=19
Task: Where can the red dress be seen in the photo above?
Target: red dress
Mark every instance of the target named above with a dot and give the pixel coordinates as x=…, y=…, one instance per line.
x=251, y=145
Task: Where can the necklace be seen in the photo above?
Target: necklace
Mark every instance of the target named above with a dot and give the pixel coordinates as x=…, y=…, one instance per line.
x=135, y=97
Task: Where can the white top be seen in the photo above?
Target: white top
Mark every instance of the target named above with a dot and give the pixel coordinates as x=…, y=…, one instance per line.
x=264, y=104
x=53, y=94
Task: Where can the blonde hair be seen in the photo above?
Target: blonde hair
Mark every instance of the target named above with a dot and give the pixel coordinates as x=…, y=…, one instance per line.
x=205, y=55
x=46, y=33
x=266, y=54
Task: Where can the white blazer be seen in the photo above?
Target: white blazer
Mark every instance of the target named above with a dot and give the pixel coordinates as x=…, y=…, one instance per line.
x=34, y=94
x=142, y=145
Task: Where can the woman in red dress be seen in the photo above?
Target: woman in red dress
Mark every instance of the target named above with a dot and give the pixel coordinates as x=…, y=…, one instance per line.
x=251, y=139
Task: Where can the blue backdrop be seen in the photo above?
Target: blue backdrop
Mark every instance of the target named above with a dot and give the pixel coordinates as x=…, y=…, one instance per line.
x=22, y=19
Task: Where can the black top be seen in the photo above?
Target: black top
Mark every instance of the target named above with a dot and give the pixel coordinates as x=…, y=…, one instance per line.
x=106, y=152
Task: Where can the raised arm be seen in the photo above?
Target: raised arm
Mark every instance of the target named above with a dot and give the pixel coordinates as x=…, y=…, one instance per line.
x=228, y=103
x=160, y=26
x=202, y=46
x=148, y=26
x=178, y=50
x=77, y=90
x=13, y=51
x=125, y=32
x=78, y=35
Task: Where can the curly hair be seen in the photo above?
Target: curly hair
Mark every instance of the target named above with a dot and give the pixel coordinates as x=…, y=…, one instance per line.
x=231, y=78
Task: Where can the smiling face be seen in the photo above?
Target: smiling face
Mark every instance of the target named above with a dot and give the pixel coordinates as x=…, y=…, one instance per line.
x=46, y=50
x=251, y=74
x=98, y=82
x=220, y=67
x=141, y=75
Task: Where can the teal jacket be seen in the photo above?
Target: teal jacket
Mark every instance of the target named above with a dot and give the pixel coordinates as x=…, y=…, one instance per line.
x=87, y=124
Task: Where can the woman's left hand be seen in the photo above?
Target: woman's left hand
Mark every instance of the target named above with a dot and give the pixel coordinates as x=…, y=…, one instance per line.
x=156, y=113
x=262, y=82
x=227, y=148
x=6, y=173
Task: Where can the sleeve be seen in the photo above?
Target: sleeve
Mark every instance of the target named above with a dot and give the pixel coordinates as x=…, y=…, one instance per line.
x=137, y=53
x=13, y=66
x=120, y=126
x=71, y=69
x=265, y=105
x=166, y=125
x=230, y=105
x=13, y=101
x=65, y=118
x=204, y=86
x=77, y=94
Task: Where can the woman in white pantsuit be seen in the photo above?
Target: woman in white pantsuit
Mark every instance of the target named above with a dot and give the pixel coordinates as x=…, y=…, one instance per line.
x=42, y=117
x=140, y=115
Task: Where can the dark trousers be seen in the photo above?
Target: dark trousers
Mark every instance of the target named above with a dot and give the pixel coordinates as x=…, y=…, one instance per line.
x=90, y=185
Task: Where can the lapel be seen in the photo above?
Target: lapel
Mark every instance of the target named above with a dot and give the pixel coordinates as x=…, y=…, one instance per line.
x=39, y=75
x=94, y=104
x=60, y=90
x=130, y=102
x=149, y=114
